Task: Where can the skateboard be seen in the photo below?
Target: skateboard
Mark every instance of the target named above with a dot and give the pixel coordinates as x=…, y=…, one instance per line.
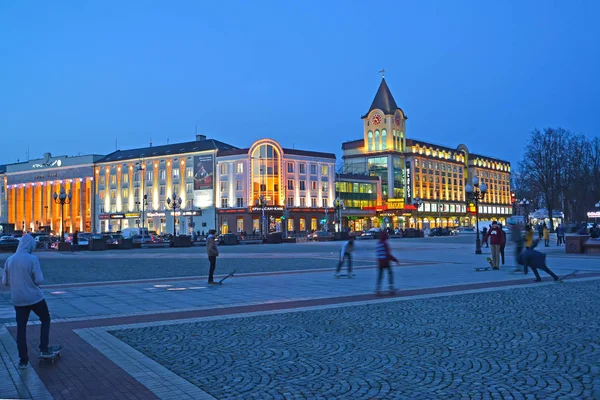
x=55, y=350
x=570, y=274
x=221, y=281
x=480, y=269
x=345, y=275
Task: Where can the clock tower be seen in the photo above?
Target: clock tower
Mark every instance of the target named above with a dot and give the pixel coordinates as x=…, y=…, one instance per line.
x=384, y=123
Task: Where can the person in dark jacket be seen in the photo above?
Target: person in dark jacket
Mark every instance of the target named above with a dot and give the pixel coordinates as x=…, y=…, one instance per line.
x=484, y=233
x=213, y=252
x=75, y=243
x=384, y=256
x=503, y=245
x=536, y=260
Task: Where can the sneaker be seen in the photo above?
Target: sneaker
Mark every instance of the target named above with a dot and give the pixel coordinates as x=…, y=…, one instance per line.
x=46, y=353
x=23, y=365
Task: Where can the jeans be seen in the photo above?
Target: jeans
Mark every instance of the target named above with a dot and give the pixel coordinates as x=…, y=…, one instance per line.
x=543, y=268
x=341, y=263
x=502, y=253
x=213, y=263
x=380, y=277
x=496, y=255
x=41, y=310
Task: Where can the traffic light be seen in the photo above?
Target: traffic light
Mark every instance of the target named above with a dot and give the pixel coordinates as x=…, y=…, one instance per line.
x=513, y=197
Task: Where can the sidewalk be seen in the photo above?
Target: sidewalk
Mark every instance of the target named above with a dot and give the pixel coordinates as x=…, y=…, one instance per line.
x=85, y=371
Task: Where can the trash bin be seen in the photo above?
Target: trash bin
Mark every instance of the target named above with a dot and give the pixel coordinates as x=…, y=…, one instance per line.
x=574, y=243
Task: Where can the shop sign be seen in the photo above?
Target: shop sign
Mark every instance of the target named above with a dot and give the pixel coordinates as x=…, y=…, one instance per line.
x=268, y=208
x=47, y=164
x=117, y=216
x=593, y=214
x=396, y=204
x=187, y=213
x=132, y=215
x=408, y=183
x=104, y=216
x=156, y=214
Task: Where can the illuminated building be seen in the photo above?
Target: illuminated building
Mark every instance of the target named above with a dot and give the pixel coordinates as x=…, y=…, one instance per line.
x=361, y=197
x=274, y=181
x=30, y=187
x=3, y=204
x=132, y=187
x=411, y=169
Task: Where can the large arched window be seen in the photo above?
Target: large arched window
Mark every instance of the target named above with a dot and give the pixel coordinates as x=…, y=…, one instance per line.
x=377, y=140
x=370, y=140
x=394, y=137
x=383, y=139
x=266, y=177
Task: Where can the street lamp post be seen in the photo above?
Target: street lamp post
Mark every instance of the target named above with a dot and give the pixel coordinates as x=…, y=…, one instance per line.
x=417, y=203
x=62, y=198
x=525, y=204
x=339, y=205
x=476, y=192
x=175, y=204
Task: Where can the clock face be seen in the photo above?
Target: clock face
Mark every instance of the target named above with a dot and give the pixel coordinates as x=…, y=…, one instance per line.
x=397, y=119
x=376, y=119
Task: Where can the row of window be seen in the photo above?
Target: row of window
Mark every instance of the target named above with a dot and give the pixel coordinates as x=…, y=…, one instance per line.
x=276, y=225
x=162, y=175
x=161, y=191
x=162, y=206
x=302, y=169
x=290, y=202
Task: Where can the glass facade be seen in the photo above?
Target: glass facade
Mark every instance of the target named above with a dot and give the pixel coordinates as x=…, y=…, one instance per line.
x=266, y=174
x=378, y=166
x=357, y=195
x=399, y=177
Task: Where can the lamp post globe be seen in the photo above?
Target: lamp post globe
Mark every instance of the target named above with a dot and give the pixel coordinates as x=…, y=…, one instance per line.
x=476, y=192
x=62, y=198
x=417, y=203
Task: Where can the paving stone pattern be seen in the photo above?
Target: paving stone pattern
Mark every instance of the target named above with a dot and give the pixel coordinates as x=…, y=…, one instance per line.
x=539, y=342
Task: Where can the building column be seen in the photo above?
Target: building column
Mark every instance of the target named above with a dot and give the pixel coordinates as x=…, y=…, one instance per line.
x=32, y=221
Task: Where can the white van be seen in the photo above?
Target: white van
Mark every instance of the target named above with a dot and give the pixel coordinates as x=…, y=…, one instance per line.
x=130, y=232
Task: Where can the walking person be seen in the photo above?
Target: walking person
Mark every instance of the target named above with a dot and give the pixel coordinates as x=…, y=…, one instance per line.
x=384, y=256
x=541, y=231
x=528, y=236
x=503, y=245
x=517, y=239
x=213, y=252
x=346, y=253
x=23, y=274
x=484, y=233
x=496, y=239
x=546, y=236
x=536, y=260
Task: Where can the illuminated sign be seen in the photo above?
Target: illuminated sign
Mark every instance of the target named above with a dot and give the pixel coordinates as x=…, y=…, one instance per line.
x=132, y=215
x=47, y=163
x=267, y=208
x=408, y=185
x=395, y=204
x=117, y=216
x=156, y=214
x=593, y=214
x=187, y=213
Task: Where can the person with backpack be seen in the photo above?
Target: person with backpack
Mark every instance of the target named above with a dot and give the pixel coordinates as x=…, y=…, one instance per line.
x=384, y=256
x=23, y=274
x=346, y=253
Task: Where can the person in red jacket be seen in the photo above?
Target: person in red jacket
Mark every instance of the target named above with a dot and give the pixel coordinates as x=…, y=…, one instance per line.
x=497, y=239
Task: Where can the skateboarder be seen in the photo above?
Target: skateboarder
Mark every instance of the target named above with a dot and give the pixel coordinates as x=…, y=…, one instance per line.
x=213, y=252
x=346, y=252
x=22, y=273
x=536, y=260
x=383, y=259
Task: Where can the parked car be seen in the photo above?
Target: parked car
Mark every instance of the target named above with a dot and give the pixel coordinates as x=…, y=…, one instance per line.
x=43, y=241
x=9, y=243
x=146, y=238
x=320, y=236
x=366, y=235
x=229, y=238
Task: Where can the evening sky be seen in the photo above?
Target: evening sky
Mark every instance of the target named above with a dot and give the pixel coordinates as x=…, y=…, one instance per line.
x=84, y=77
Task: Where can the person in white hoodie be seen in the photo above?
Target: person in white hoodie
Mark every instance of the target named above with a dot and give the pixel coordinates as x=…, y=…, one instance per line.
x=22, y=273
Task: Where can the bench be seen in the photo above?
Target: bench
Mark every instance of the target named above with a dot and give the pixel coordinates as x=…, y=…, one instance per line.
x=591, y=246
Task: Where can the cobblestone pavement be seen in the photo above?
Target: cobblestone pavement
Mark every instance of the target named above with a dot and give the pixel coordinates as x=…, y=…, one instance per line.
x=539, y=342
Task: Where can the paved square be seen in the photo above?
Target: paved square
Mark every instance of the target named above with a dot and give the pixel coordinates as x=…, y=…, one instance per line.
x=536, y=342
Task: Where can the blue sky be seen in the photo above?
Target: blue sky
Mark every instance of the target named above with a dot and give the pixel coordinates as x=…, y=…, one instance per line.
x=75, y=76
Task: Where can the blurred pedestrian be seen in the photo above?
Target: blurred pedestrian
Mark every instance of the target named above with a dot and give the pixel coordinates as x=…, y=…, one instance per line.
x=496, y=238
x=75, y=242
x=384, y=256
x=346, y=253
x=536, y=260
x=23, y=274
x=517, y=239
x=213, y=252
x=528, y=236
x=546, y=233
x=484, y=233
